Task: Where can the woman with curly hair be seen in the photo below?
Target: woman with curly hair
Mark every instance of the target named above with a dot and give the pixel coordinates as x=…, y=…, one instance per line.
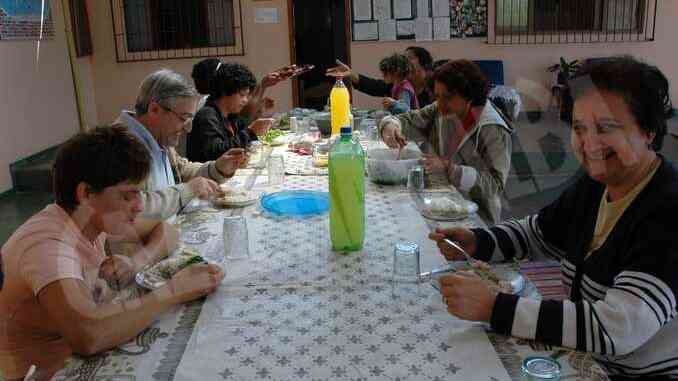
x=396, y=69
x=217, y=127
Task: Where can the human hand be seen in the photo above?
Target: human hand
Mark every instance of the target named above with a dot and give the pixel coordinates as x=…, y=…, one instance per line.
x=467, y=296
x=202, y=188
x=387, y=102
x=433, y=163
x=272, y=79
x=268, y=103
x=261, y=125
x=118, y=271
x=464, y=237
x=392, y=136
x=288, y=71
x=230, y=161
x=194, y=281
x=341, y=70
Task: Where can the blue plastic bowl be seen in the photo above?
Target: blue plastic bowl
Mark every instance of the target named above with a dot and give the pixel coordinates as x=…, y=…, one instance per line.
x=296, y=203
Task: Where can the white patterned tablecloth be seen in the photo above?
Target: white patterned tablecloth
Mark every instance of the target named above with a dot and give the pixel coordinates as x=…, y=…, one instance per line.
x=297, y=311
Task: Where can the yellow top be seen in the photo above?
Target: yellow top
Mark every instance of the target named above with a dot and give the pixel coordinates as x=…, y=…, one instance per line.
x=610, y=212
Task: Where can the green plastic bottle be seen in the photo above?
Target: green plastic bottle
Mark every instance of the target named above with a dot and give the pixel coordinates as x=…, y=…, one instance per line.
x=347, y=193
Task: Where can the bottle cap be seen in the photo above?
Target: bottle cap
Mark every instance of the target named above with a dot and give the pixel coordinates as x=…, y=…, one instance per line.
x=541, y=368
x=345, y=131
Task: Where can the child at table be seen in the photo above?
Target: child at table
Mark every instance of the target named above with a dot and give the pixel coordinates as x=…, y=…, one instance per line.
x=395, y=69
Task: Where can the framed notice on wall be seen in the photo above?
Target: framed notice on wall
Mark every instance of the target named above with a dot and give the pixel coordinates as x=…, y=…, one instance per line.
x=423, y=20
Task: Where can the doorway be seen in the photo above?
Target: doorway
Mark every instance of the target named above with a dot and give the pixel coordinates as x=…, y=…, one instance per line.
x=319, y=35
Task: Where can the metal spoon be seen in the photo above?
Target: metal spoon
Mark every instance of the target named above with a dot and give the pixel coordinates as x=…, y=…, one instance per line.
x=466, y=255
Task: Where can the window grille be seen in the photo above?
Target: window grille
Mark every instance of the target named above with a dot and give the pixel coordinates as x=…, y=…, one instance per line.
x=146, y=30
x=573, y=21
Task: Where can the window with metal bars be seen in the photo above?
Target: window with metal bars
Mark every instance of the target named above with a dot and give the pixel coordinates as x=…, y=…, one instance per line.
x=573, y=21
x=166, y=29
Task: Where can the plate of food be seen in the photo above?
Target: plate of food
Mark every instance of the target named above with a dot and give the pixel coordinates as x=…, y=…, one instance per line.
x=500, y=278
x=442, y=207
x=232, y=197
x=155, y=276
x=274, y=137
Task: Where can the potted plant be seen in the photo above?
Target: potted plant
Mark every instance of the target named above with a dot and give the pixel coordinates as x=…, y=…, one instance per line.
x=563, y=71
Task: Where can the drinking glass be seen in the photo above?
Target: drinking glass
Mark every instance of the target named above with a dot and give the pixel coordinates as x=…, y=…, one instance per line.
x=321, y=153
x=312, y=129
x=415, y=179
x=406, y=274
x=256, y=152
x=276, y=170
x=236, y=240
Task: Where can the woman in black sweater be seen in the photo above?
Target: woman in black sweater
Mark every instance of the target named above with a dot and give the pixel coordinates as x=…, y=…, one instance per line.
x=217, y=127
x=613, y=232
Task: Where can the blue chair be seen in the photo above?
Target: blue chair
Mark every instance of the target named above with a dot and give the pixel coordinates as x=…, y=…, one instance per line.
x=493, y=69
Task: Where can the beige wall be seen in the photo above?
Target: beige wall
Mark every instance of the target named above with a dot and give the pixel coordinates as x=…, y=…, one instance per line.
x=267, y=47
x=116, y=84
x=525, y=65
x=36, y=98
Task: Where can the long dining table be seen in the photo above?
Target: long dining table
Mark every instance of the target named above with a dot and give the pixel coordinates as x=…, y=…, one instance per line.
x=296, y=310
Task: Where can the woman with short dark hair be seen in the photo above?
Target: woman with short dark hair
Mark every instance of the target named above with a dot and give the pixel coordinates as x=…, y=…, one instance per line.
x=462, y=134
x=217, y=126
x=613, y=232
x=55, y=299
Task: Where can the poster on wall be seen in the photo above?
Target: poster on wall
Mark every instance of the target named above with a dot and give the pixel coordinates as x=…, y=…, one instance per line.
x=26, y=20
x=362, y=10
x=382, y=9
x=387, y=30
x=451, y=19
x=366, y=31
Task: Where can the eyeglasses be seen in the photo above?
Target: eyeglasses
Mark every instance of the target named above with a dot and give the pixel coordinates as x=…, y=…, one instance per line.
x=183, y=118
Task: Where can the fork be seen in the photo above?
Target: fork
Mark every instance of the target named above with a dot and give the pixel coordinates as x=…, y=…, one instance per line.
x=469, y=258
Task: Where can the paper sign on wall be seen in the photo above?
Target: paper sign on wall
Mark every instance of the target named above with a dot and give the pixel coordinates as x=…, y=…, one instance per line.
x=362, y=10
x=387, y=30
x=423, y=29
x=441, y=28
x=266, y=15
x=441, y=8
x=382, y=9
x=366, y=31
x=405, y=28
x=422, y=8
x=402, y=9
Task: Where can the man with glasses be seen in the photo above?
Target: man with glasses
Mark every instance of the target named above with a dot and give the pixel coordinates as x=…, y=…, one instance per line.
x=164, y=110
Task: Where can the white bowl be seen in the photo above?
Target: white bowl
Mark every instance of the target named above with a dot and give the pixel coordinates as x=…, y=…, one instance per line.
x=384, y=168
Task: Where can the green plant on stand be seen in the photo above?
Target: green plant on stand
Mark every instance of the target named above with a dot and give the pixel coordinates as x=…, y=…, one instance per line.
x=564, y=70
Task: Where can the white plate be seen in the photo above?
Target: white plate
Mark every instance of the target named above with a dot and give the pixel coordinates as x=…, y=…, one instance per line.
x=424, y=201
x=280, y=140
x=150, y=278
x=512, y=277
x=248, y=197
x=149, y=282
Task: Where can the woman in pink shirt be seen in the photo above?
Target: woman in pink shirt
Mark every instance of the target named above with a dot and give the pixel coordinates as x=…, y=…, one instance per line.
x=56, y=273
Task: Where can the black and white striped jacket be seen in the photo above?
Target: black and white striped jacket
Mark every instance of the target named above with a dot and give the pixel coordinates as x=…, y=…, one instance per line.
x=622, y=301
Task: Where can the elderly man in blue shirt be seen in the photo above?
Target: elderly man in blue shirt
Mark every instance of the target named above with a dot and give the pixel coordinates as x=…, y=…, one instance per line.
x=163, y=112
